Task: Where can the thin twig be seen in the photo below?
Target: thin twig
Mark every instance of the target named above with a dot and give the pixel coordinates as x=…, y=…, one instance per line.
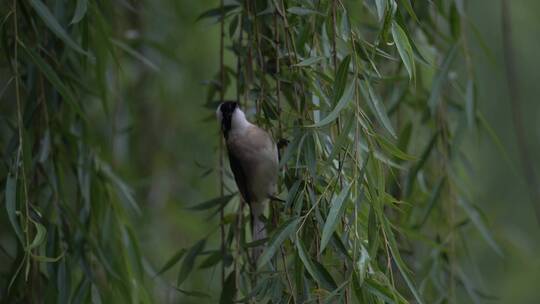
x=240, y=212
x=20, y=127
x=280, y=135
x=221, y=177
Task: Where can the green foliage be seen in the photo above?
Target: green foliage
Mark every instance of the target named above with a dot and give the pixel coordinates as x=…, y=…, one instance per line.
x=68, y=209
x=365, y=92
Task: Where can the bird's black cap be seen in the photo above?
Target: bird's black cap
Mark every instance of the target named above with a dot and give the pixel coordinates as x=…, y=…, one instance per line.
x=227, y=109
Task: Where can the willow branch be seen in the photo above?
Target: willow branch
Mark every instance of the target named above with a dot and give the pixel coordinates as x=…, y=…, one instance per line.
x=221, y=177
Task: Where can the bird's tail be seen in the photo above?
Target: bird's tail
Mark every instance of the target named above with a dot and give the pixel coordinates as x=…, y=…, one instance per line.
x=259, y=232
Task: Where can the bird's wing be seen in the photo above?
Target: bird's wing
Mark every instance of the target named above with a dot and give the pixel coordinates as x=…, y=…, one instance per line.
x=250, y=153
x=239, y=174
x=267, y=147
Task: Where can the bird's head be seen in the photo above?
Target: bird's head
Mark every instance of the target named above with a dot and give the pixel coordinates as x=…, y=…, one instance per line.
x=230, y=117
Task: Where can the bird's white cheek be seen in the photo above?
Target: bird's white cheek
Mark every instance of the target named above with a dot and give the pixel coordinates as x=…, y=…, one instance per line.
x=219, y=116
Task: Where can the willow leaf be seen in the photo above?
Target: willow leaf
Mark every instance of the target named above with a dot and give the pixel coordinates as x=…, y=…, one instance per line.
x=172, y=261
x=440, y=79
x=189, y=261
x=341, y=78
x=80, y=11
x=343, y=102
x=480, y=224
x=277, y=239
x=54, y=79
x=377, y=106
x=336, y=210
x=229, y=290
x=219, y=201
x=397, y=258
x=11, y=205
x=309, y=61
x=50, y=21
x=404, y=48
x=41, y=232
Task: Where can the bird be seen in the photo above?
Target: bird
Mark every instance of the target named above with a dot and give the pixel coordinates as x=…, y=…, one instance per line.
x=253, y=159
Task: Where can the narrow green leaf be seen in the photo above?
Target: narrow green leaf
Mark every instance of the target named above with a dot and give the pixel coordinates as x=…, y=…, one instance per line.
x=343, y=102
x=302, y=11
x=381, y=291
x=387, y=22
x=405, y=137
x=473, y=291
x=328, y=281
x=11, y=205
x=228, y=291
x=433, y=199
x=213, y=259
x=418, y=55
x=292, y=147
x=373, y=232
x=41, y=232
x=309, y=61
x=363, y=264
x=497, y=141
x=343, y=138
x=397, y=258
x=80, y=11
x=440, y=79
x=455, y=22
x=192, y=293
x=392, y=149
x=46, y=259
x=219, y=201
x=277, y=239
x=54, y=79
x=480, y=224
x=410, y=10
x=404, y=48
x=341, y=78
x=122, y=189
x=128, y=49
x=310, y=153
x=172, y=261
x=233, y=26
x=380, y=112
x=359, y=292
x=305, y=258
x=293, y=190
x=338, y=244
x=381, y=8
x=336, y=210
x=51, y=22
x=216, y=12
x=189, y=261
x=317, y=272
x=423, y=159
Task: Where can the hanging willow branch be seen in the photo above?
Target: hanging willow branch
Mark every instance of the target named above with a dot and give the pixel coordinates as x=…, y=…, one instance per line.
x=351, y=216
x=360, y=90
x=221, y=150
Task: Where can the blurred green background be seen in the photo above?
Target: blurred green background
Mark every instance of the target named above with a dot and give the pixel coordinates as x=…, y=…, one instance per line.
x=501, y=191
x=175, y=134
